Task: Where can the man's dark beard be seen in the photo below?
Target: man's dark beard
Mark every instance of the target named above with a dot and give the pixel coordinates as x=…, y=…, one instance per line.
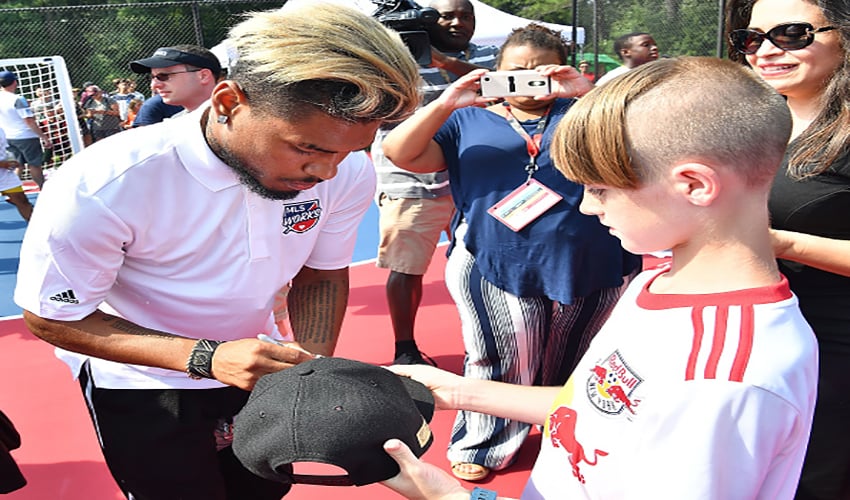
x=246, y=177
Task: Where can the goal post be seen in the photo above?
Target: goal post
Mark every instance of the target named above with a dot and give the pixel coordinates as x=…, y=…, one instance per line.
x=45, y=84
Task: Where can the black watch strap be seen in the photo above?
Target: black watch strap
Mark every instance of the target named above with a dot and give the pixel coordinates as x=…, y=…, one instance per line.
x=199, y=364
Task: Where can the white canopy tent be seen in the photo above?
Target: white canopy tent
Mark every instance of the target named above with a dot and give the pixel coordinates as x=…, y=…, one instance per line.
x=492, y=25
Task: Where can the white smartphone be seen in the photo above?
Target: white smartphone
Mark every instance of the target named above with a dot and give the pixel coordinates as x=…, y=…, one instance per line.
x=525, y=82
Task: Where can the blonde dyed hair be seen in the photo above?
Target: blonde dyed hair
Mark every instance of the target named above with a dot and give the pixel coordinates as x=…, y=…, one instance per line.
x=328, y=57
x=701, y=109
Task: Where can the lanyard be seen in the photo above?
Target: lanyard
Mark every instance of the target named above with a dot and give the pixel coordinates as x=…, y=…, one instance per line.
x=532, y=142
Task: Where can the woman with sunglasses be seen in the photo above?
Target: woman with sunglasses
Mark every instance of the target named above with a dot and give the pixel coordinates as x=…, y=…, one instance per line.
x=802, y=49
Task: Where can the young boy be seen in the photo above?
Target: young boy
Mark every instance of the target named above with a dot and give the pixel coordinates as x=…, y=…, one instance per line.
x=634, y=49
x=702, y=382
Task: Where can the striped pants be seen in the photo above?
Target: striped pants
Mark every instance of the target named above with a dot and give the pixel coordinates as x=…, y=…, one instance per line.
x=520, y=340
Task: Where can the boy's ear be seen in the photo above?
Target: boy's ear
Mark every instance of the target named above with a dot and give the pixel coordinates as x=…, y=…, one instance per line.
x=698, y=183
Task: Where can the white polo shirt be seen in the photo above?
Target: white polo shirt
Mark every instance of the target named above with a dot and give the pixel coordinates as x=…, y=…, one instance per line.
x=150, y=225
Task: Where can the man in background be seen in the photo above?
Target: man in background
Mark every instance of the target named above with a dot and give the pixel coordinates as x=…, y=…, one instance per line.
x=416, y=208
x=26, y=141
x=182, y=75
x=633, y=49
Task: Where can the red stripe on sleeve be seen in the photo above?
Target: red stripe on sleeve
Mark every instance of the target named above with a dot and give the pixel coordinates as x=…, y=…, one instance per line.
x=721, y=318
x=745, y=344
x=699, y=329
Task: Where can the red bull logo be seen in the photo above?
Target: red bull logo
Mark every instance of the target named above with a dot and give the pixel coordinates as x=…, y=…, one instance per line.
x=562, y=433
x=301, y=217
x=611, y=386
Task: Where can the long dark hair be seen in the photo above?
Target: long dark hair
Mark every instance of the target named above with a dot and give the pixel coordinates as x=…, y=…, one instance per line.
x=827, y=139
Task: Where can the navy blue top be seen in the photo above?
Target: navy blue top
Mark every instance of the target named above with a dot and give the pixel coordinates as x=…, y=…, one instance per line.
x=153, y=110
x=563, y=254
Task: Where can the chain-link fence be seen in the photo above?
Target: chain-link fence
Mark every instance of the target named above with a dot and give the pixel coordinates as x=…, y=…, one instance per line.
x=98, y=41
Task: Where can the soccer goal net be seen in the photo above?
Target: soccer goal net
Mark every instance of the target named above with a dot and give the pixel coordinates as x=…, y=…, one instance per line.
x=45, y=84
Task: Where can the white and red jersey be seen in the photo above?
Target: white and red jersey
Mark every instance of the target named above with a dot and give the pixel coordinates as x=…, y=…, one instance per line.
x=685, y=396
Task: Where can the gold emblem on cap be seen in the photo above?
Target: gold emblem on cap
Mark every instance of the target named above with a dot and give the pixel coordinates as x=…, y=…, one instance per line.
x=423, y=434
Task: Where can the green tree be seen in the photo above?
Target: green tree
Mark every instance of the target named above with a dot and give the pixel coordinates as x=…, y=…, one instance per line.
x=681, y=27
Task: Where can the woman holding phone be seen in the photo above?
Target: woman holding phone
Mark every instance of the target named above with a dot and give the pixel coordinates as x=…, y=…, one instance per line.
x=533, y=279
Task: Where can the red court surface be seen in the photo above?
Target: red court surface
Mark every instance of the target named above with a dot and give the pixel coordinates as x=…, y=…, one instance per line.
x=60, y=456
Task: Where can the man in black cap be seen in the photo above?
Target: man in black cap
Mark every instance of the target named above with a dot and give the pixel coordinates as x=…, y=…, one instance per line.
x=182, y=75
x=26, y=140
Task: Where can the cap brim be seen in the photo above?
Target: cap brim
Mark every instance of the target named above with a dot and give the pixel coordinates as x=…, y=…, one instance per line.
x=421, y=395
x=145, y=65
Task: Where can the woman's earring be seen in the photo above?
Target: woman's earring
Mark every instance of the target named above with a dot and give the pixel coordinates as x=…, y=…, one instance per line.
x=222, y=119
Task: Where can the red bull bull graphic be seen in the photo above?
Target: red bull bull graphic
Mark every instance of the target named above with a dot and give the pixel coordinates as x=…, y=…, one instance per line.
x=562, y=433
x=300, y=217
x=611, y=386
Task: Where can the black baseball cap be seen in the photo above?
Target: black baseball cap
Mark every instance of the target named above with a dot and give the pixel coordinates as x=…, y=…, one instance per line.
x=164, y=57
x=332, y=411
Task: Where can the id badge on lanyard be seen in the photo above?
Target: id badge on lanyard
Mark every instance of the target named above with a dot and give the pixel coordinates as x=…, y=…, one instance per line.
x=532, y=198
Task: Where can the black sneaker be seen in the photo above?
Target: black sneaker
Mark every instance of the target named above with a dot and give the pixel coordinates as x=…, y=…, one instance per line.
x=413, y=358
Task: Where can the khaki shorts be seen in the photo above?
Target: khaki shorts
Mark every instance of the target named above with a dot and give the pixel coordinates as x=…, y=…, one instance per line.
x=410, y=230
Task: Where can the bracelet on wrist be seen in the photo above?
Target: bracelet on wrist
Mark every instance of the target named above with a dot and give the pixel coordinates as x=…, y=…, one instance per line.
x=199, y=364
x=482, y=494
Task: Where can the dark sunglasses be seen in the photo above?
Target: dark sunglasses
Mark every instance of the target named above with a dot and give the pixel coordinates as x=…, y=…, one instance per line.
x=790, y=36
x=163, y=77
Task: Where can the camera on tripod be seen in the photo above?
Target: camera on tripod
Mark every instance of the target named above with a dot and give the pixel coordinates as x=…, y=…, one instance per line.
x=411, y=22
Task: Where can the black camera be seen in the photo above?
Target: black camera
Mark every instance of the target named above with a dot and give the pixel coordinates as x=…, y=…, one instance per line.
x=411, y=22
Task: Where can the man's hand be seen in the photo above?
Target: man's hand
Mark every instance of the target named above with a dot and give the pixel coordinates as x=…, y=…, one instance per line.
x=419, y=480
x=9, y=164
x=242, y=362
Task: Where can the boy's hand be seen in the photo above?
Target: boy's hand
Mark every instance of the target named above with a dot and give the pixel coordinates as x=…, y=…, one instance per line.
x=419, y=480
x=445, y=386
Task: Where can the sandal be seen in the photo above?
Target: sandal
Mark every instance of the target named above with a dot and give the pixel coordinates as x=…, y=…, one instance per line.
x=469, y=471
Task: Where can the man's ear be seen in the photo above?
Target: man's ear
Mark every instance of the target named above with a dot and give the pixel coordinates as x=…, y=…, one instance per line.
x=698, y=183
x=227, y=98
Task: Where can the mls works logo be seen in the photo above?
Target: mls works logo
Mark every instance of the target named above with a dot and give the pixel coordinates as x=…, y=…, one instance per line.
x=301, y=217
x=611, y=385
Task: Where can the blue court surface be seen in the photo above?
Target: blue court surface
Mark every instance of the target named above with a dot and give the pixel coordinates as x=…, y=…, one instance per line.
x=12, y=229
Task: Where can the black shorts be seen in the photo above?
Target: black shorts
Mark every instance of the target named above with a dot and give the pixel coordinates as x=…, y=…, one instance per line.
x=159, y=444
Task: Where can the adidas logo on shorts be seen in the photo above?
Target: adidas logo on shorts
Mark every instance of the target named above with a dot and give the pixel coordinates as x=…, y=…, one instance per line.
x=66, y=296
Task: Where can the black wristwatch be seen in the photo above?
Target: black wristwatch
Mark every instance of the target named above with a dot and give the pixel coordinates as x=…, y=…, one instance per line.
x=199, y=364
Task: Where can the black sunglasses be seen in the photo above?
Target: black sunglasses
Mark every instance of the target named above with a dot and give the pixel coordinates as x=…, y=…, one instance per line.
x=790, y=36
x=163, y=77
